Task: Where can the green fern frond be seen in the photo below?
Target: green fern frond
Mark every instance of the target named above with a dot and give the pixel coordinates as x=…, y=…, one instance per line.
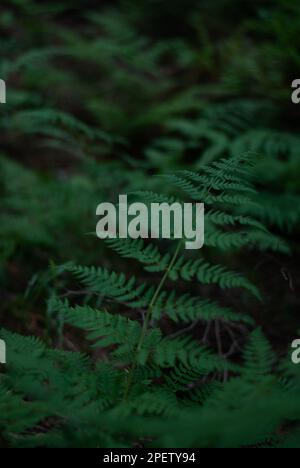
x=104, y=328
x=187, y=269
x=113, y=285
x=258, y=356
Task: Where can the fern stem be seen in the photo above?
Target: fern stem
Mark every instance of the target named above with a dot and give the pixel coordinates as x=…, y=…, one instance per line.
x=147, y=320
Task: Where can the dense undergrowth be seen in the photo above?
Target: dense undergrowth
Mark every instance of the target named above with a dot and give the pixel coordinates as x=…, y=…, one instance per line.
x=133, y=343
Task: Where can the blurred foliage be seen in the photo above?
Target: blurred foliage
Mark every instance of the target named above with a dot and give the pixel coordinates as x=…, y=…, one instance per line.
x=101, y=100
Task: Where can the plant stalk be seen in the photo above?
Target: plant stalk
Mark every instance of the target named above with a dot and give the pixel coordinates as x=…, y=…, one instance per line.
x=147, y=320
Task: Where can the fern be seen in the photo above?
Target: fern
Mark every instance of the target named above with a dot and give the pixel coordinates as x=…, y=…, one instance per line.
x=259, y=357
x=186, y=269
x=99, y=415
x=144, y=344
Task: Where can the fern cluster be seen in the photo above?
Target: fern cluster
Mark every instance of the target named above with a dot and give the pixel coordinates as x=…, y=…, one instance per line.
x=78, y=402
x=142, y=343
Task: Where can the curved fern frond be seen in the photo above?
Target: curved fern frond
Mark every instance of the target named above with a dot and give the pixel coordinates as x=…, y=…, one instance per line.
x=187, y=269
